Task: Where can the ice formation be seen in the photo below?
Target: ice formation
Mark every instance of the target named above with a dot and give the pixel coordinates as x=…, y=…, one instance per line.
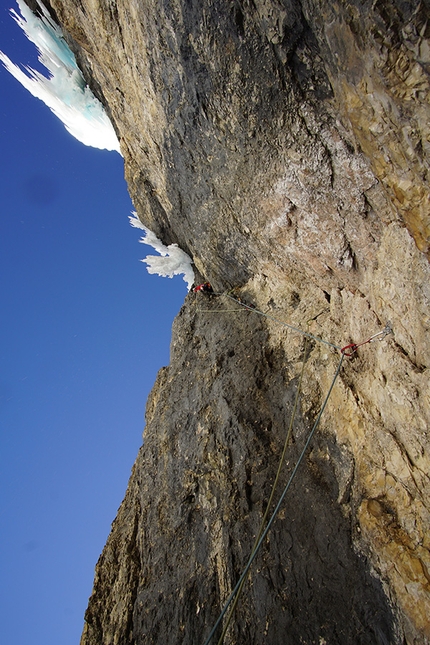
x=171, y=261
x=64, y=90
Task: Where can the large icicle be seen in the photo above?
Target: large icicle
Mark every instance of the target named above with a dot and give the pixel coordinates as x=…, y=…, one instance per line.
x=64, y=91
x=171, y=261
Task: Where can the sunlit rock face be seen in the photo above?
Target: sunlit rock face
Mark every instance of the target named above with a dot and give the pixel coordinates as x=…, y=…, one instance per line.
x=285, y=147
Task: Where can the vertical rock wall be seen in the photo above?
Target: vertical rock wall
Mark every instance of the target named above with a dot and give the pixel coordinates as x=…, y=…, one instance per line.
x=284, y=145
x=215, y=427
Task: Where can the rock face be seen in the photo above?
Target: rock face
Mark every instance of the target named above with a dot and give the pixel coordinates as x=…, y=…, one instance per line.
x=284, y=145
x=216, y=421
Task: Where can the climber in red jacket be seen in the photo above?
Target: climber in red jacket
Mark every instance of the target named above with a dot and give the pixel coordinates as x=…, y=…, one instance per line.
x=204, y=288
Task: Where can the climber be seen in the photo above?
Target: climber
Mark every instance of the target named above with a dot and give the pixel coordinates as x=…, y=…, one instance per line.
x=204, y=288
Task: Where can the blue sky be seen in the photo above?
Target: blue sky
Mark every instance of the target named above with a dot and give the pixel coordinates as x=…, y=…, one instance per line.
x=84, y=329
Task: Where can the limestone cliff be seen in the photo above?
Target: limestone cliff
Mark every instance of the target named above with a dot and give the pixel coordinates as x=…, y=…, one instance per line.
x=284, y=144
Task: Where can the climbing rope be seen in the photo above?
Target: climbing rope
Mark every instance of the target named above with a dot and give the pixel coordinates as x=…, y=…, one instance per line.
x=275, y=512
x=280, y=322
x=272, y=493
x=352, y=347
x=262, y=533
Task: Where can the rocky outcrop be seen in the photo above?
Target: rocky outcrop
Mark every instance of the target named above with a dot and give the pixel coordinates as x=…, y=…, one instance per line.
x=285, y=146
x=215, y=426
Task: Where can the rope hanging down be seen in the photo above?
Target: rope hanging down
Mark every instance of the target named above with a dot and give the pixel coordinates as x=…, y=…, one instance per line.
x=352, y=347
x=275, y=512
x=272, y=492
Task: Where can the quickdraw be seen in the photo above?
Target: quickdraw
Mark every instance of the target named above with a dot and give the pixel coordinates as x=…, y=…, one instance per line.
x=379, y=336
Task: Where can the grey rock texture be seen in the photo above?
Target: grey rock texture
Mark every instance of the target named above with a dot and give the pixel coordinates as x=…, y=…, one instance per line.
x=285, y=146
x=215, y=427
